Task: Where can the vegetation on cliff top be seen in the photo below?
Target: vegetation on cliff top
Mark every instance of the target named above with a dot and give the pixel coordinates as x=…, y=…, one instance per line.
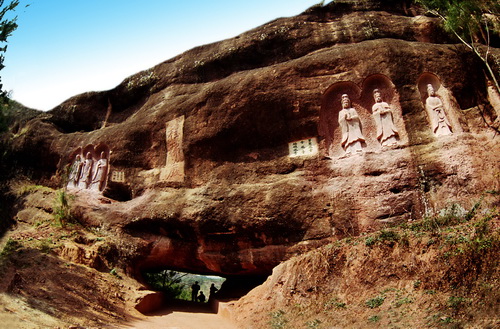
x=474, y=23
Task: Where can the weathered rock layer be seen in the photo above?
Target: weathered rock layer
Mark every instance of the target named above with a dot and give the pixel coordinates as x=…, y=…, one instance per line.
x=201, y=177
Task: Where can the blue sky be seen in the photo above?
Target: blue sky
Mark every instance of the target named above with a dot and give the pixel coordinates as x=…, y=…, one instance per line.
x=66, y=47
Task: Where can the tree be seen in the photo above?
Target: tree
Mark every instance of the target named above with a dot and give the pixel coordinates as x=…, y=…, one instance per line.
x=167, y=281
x=7, y=26
x=472, y=22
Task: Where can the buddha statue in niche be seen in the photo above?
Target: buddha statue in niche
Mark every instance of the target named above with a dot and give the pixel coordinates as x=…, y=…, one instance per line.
x=350, y=126
x=439, y=122
x=75, y=171
x=86, y=173
x=101, y=169
x=387, y=133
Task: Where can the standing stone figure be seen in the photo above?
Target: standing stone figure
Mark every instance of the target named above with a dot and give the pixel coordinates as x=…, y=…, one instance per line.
x=350, y=126
x=99, y=177
x=382, y=113
x=86, y=174
x=439, y=122
x=75, y=171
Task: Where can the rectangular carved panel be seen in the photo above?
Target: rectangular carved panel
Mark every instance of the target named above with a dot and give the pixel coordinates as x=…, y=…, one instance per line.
x=174, y=169
x=305, y=147
x=118, y=176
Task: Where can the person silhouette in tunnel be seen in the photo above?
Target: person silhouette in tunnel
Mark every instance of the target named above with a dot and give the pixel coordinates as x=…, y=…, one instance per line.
x=201, y=297
x=213, y=291
x=194, y=291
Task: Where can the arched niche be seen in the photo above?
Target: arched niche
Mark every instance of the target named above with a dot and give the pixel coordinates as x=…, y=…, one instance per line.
x=72, y=156
x=390, y=96
x=88, y=149
x=450, y=105
x=101, y=148
x=329, y=127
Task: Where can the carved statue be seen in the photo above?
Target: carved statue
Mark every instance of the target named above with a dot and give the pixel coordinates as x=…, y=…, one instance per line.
x=382, y=113
x=350, y=126
x=100, y=171
x=86, y=174
x=75, y=171
x=439, y=122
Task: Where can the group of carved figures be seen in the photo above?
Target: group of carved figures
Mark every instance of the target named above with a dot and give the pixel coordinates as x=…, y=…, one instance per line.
x=387, y=134
x=88, y=174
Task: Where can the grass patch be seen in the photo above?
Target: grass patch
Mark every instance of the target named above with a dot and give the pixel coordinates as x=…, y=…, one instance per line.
x=45, y=246
x=333, y=303
x=404, y=300
x=278, y=320
x=375, y=302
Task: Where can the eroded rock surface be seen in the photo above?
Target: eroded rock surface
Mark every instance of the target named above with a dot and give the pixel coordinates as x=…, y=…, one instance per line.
x=200, y=176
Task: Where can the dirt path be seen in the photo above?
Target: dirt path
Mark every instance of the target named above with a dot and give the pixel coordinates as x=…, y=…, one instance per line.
x=183, y=320
x=184, y=316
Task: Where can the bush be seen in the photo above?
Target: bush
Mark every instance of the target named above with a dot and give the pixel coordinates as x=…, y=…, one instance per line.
x=388, y=235
x=62, y=209
x=278, y=320
x=9, y=248
x=375, y=302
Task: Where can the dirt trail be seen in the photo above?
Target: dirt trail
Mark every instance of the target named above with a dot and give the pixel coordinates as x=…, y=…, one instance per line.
x=183, y=320
x=184, y=316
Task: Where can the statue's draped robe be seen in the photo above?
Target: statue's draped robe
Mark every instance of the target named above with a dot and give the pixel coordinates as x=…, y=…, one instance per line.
x=99, y=174
x=384, y=120
x=439, y=122
x=350, y=126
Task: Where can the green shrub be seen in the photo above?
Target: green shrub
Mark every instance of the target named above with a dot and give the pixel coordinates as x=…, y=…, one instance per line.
x=389, y=235
x=370, y=241
x=334, y=303
x=278, y=320
x=456, y=302
x=375, y=302
x=405, y=300
x=62, y=209
x=115, y=273
x=313, y=324
x=9, y=248
x=45, y=246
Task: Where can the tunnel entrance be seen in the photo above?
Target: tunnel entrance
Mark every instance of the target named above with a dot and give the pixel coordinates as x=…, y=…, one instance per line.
x=192, y=292
x=181, y=285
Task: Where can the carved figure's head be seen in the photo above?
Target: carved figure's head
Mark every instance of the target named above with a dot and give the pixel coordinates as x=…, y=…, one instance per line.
x=103, y=155
x=346, y=102
x=377, y=95
x=89, y=156
x=430, y=90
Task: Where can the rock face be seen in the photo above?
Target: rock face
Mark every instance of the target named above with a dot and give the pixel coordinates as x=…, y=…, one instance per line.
x=202, y=176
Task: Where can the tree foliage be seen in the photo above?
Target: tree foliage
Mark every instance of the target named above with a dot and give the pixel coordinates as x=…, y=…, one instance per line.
x=7, y=27
x=167, y=281
x=472, y=21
